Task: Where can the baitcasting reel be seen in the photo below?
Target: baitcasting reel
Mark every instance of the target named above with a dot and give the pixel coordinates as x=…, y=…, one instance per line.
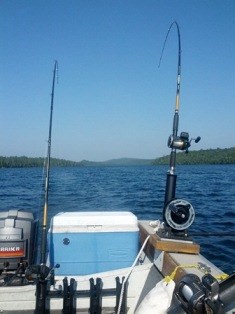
x=181, y=142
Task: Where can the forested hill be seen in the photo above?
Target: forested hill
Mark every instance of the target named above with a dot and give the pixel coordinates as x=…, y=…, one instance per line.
x=119, y=162
x=208, y=156
x=23, y=162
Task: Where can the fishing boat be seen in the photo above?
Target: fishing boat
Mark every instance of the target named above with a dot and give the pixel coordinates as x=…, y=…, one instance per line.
x=111, y=262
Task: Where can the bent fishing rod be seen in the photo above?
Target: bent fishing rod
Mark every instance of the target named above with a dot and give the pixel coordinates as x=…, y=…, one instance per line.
x=48, y=161
x=179, y=214
x=171, y=176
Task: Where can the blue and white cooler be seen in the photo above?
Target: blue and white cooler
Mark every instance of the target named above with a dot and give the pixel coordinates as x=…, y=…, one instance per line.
x=90, y=242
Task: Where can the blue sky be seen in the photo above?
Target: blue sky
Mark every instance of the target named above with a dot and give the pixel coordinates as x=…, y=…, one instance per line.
x=112, y=100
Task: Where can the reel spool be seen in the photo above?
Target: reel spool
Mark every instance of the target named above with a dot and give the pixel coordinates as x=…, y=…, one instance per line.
x=200, y=295
x=179, y=214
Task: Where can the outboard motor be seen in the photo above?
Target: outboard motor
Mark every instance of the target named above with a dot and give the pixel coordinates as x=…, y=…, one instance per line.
x=17, y=239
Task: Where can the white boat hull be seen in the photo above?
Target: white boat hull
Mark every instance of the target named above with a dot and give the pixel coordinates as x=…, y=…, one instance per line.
x=153, y=265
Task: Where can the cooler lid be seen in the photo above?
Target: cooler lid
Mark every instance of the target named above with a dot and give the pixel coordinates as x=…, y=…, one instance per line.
x=94, y=221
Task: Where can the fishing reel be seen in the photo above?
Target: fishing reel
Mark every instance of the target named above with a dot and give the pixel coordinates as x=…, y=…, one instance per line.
x=181, y=142
x=199, y=296
x=179, y=214
x=40, y=272
x=37, y=271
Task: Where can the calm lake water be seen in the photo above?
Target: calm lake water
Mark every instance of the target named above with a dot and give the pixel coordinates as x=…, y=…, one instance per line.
x=210, y=189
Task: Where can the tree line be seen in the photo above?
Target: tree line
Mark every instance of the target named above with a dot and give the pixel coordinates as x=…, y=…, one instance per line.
x=27, y=162
x=208, y=156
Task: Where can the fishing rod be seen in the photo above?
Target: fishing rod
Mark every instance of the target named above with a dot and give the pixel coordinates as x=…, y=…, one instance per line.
x=48, y=160
x=41, y=272
x=178, y=214
x=174, y=142
x=171, y=176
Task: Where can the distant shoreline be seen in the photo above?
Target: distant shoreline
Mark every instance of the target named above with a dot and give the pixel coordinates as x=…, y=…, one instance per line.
x=208, y=156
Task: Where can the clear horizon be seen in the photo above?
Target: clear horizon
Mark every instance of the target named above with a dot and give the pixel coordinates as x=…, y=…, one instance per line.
x=112, y=159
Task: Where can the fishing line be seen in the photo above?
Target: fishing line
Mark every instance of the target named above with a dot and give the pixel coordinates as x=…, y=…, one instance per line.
x=213, y=234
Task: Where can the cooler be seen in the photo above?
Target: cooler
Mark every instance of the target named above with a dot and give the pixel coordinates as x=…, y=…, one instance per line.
x=90, y=242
